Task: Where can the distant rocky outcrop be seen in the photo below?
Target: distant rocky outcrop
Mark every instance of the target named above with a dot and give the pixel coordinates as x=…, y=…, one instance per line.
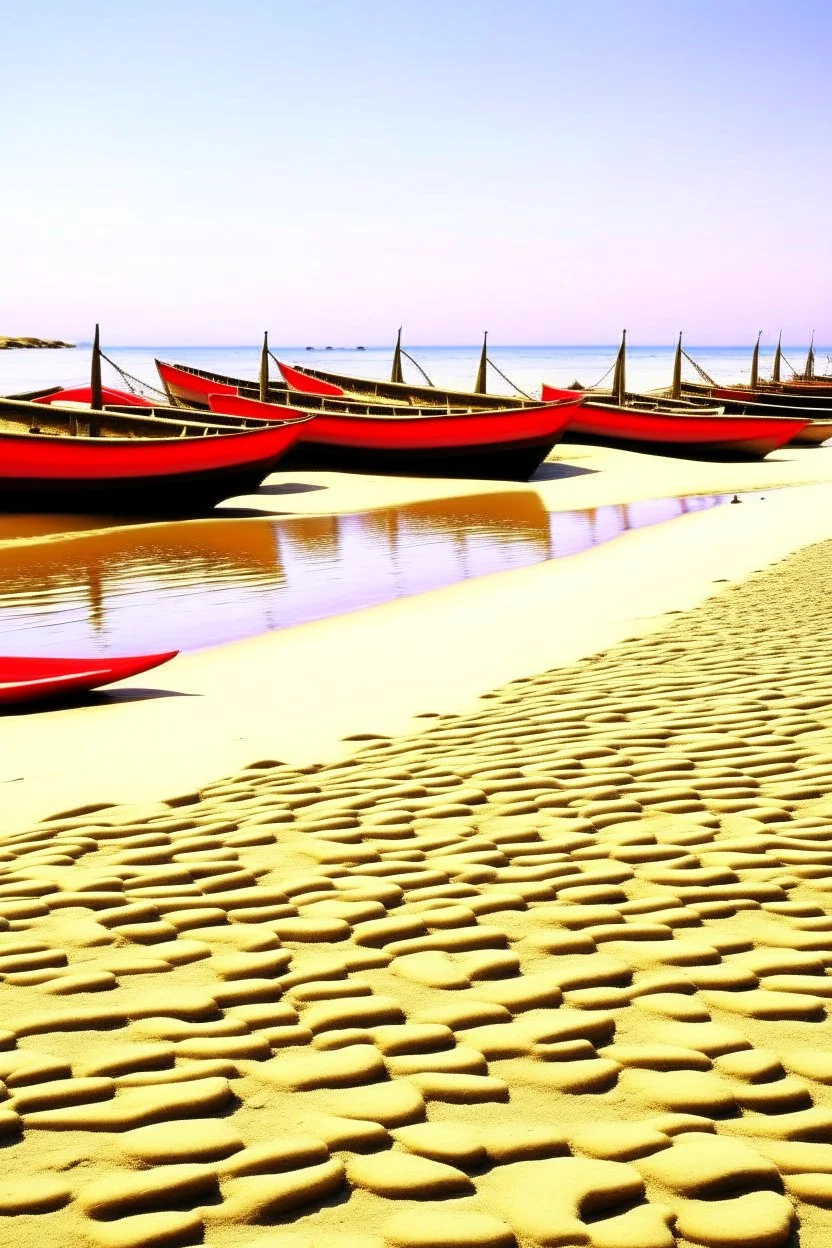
x=8, y=344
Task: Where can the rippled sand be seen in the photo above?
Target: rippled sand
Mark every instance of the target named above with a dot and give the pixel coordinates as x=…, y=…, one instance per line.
x=551, y=973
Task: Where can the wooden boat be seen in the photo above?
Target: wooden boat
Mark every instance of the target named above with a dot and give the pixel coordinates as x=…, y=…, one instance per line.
x=818, y=418
x=38, y=680
x=317, y=390
x=671, y=425
x=60, y=453
x=314, y=380
x=191, y=387
x=503, y=444
x=84, y=396
x=678, y=432
x=55, y=458
x=803, y=388
x=753, y=401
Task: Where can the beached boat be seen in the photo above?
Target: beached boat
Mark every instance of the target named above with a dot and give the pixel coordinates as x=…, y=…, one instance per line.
x=67, y=450
x=315, y=390
x=672, y=425
x=55, y=458
x=800, y=390
x=84, y=395
x=753, y=401
x=40, y=679
x=503, y=444
x=817, y=416
x=191, y=387
x=679, y=433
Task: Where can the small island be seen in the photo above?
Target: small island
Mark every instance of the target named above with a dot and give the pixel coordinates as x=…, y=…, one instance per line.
x=9, y=344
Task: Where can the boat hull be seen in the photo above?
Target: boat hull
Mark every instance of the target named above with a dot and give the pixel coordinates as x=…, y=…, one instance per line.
x=503, y=461
x=723, y=437
x=167, y=476
x=40, y=679
x=815, y=434
x=496, y=445
x=192, y=387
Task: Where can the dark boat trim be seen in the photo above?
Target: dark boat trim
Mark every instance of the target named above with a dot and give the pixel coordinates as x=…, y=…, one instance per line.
x=504, y=461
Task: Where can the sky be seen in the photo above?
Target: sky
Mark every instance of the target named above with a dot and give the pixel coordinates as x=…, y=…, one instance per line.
x=549, y=170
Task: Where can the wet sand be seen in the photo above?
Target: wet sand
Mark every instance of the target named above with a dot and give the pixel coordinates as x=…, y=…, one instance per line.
x=547, y=967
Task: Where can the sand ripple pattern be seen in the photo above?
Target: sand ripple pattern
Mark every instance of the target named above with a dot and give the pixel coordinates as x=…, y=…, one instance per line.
x=552, y=973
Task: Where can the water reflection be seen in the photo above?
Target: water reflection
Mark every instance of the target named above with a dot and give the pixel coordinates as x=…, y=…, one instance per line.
x=203, y=582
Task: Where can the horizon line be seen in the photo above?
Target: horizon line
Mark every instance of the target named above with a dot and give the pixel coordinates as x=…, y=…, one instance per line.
x=435, y=346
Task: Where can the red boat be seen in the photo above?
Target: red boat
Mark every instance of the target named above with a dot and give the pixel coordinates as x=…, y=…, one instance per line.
x=602, y=419
x=139, y=462
x=306, y=384
x=83, y=394
x=191, y=387
x=499, y=444
x=36, y=680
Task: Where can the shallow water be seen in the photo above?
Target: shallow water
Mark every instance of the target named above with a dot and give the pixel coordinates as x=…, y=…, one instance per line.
x=200, y=583
x=647, y=367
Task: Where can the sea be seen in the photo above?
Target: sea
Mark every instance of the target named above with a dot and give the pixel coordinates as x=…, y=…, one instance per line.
x=522, y=368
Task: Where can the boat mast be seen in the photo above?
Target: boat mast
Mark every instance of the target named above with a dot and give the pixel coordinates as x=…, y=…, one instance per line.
x=264, y=369
x=396, y=373
x=755, y=363
x=778, y=355
x=676, y=385
x=809, y=371
x=619, y=379
x=96, y=403
x=481, y=384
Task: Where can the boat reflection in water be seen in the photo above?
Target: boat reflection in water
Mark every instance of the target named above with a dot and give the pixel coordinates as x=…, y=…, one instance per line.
x=140, y=588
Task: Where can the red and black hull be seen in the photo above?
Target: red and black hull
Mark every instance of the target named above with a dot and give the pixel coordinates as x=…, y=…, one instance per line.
x=501, y=461
x=504, y=444
x=50, y=472
x=673, y=432
x=168, y=494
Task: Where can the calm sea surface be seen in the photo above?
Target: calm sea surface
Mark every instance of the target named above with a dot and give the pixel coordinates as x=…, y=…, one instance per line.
x=199, y=583
x=453, y=367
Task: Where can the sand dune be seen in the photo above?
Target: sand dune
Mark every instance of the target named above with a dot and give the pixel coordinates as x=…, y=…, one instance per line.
x=552, y=972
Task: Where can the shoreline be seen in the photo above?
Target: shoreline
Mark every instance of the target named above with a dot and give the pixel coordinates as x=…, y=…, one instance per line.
x=295, y=695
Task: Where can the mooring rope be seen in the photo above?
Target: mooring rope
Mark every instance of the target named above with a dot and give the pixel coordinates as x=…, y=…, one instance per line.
x=508, y=380
x=705, y=377
x=601, y=380
x=272, y=356
x=404, y=353
x=418, y=365
x=134, y=384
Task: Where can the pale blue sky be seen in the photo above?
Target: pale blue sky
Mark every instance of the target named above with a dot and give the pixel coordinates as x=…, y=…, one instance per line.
x=195, y=172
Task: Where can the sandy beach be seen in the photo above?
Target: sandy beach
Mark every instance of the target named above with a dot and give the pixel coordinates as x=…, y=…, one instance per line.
x=294, y=695
x=494, y=916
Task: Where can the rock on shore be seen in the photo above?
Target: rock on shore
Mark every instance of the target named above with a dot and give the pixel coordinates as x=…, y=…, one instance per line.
x=7, y=344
